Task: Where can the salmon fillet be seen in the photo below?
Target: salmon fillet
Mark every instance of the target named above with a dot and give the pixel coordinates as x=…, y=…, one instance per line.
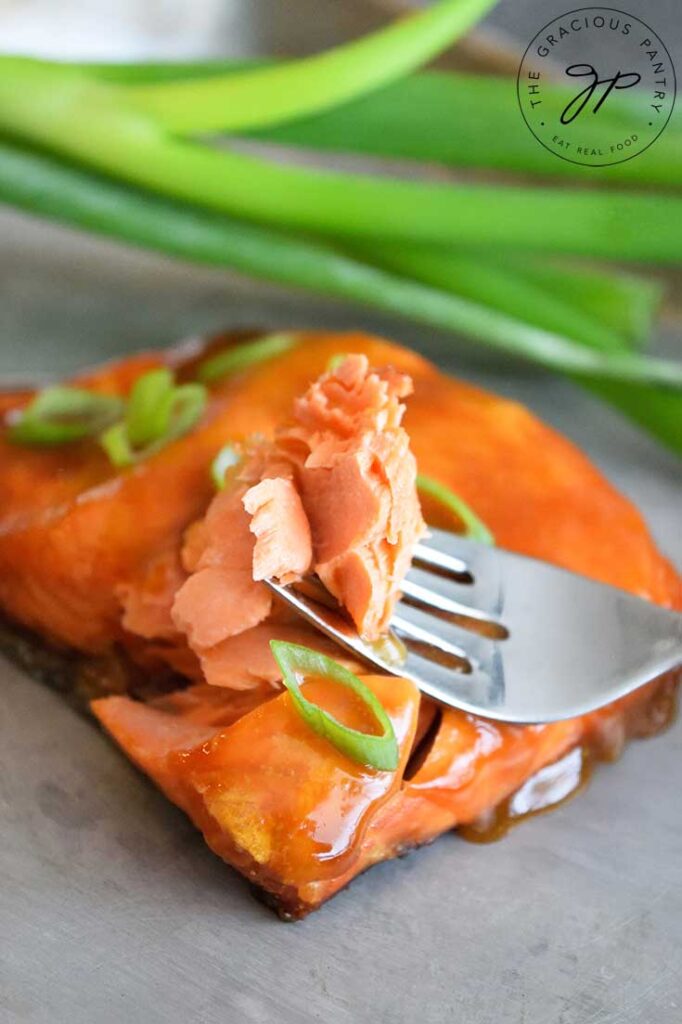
x=96, y=561
x=334, y=492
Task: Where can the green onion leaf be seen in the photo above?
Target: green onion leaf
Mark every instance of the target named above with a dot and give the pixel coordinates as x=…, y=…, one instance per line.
x=474, y=529
x=290, y=89
x=413, y=119
x=297, y=663
x=226, y=459
x=514, y=287
x=242, y=357
x=58, y=415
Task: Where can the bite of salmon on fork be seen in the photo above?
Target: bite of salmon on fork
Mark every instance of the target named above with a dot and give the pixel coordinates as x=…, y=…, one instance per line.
x=506, y=637
x=148, y=578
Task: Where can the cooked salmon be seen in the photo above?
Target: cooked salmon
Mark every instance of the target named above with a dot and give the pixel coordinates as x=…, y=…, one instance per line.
x=284, y=547
x=93, y=559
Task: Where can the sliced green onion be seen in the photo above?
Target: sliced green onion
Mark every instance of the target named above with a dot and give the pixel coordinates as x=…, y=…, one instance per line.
x=158, y=412
x=59, y=414
x=474, y=529
x=117, y=446
x=149, y=407
x=297, y=663
x=187, y=408
x=243, y=357
x=226, y=459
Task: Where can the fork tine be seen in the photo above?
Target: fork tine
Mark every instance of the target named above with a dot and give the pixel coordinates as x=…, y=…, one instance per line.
x=436, y=599
x=446, y=682
x=479, y=588
x=572, y=644
x=468, y=691
x=413, y=623
x=452, y=548
x=436, y=559
x=327, y=620
x=409, y=631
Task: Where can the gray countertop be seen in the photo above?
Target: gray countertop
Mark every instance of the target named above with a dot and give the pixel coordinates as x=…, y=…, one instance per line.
x=111, y=907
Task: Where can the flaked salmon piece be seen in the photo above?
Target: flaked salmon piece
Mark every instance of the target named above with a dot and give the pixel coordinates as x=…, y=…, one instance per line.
x=358, y=483
x=221, y=598
x=283, y=548
x=334, y=492
x=147, y=599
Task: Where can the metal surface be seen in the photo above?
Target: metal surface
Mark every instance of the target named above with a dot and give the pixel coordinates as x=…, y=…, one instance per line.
x=557, y=646
x=112, y=909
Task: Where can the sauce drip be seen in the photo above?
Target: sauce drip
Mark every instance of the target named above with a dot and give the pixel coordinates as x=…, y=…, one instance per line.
x=550, y=787
x=558, y=782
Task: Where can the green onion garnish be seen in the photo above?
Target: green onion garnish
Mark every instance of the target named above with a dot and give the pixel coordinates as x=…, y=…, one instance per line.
x=474, y=529
x=377, y=751
x=58, y=415
x=226, y=459
x=149, y=407
x=242, y=357
x=158, y=412
x=117, y=446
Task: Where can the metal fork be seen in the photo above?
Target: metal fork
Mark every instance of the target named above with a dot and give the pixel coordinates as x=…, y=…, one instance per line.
x=507, y=637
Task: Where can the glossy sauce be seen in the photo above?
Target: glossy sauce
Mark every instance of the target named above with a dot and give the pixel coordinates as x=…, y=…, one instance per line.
x=283, y=795
x=550, y=787
x=560, y=781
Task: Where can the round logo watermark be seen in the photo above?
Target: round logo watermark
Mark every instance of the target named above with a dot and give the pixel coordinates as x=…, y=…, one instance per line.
x=596, y=86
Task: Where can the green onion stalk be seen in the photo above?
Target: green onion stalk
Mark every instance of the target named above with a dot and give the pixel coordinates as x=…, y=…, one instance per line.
x=88, y=121
x=412, y=118
x=38, y=183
